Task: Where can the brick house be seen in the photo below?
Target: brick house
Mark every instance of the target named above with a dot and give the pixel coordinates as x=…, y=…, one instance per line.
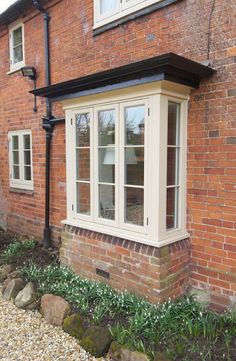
x=142, y=190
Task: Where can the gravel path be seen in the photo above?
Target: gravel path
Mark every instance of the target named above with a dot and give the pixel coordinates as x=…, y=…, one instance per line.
x=25, y=336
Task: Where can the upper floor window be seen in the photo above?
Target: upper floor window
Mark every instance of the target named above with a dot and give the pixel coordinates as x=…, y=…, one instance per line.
x=20, y=159
x=16, y=34
x=106, y=11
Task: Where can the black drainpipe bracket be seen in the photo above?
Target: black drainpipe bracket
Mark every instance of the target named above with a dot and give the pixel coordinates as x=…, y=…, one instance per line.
x=47, y=125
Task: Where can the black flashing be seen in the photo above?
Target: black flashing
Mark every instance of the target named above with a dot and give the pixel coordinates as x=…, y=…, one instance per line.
x=168, y=66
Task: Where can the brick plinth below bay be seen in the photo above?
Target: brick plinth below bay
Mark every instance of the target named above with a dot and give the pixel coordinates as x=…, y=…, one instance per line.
x=155, y=273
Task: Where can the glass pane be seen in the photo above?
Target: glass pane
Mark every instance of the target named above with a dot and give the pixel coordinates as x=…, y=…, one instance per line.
x=134, y=125
x=27, y=173
x=173, y=123
x=107, y=165
x=83, y=198
x=172, y=166
x=107, y=201
x=15, y=142
x=106, y=127
x=171, y=208
x=107, y=6
x=17, y=36
x=134, y=212
x=83, y=164
x=83, y=130
x=17, y=54
x=26, y=141
x=16, y=172
x=27, y=159
x=15, y=154
x=134, y=166
x=133, y=2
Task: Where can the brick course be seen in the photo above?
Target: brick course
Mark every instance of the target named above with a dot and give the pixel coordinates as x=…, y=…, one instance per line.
x=189, y=29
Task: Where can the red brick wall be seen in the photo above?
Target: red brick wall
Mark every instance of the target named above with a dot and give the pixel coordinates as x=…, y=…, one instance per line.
x=189, y=28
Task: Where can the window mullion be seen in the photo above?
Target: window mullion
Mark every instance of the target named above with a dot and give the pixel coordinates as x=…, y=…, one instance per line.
x=146, y=156
x=96, y=170
x=92, y=165
x=21, y=158
x=117, y=166
x=163, y=122
x=121, y=167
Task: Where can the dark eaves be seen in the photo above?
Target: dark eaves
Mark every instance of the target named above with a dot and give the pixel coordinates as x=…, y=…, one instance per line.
x=16, y=10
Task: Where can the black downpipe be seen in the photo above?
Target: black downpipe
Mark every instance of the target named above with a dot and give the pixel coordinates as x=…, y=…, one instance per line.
x=48, y=129
x=47, y=228
x=48, y=124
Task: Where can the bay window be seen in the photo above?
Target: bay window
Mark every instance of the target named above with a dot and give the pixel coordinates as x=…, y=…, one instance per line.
x=126, y=160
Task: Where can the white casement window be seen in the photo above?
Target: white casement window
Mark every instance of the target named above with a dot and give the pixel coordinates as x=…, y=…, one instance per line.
x=20, y=159
x=106, y=11
x=16, y=44
x=126, y=161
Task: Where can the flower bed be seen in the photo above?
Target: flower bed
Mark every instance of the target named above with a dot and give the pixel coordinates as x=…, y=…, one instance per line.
x=177, y=330
x=183, y=329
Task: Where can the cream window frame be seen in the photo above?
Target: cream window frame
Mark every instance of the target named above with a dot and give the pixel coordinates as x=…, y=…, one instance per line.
x=18, y=65
x=20, y=183
x=122, y=10
x=112, y=223
x=157, y=95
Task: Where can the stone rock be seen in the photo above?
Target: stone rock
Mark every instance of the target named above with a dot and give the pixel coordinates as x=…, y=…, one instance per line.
x=118, y=352
x=96, y=341
x=11, y=276
x=13, y=288
x=74, y=325
x=26, y=296
x=5, y=270
x=54, y=309
x=161, y=356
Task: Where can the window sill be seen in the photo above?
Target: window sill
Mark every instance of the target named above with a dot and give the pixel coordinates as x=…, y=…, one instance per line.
x=21, y=191
x=123, y=234
x=15, y=70
x=98, y=29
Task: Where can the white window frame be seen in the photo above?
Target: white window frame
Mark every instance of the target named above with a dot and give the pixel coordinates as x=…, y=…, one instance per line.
x=20, y=183
x=123, y=8
x=18, y=65
x=112, y=13
x=156, y=95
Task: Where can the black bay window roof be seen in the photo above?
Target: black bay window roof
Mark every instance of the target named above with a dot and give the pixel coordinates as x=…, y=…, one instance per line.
x=168, y=66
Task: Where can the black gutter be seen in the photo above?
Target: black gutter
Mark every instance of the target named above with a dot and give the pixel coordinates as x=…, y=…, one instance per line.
x=49, y=121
